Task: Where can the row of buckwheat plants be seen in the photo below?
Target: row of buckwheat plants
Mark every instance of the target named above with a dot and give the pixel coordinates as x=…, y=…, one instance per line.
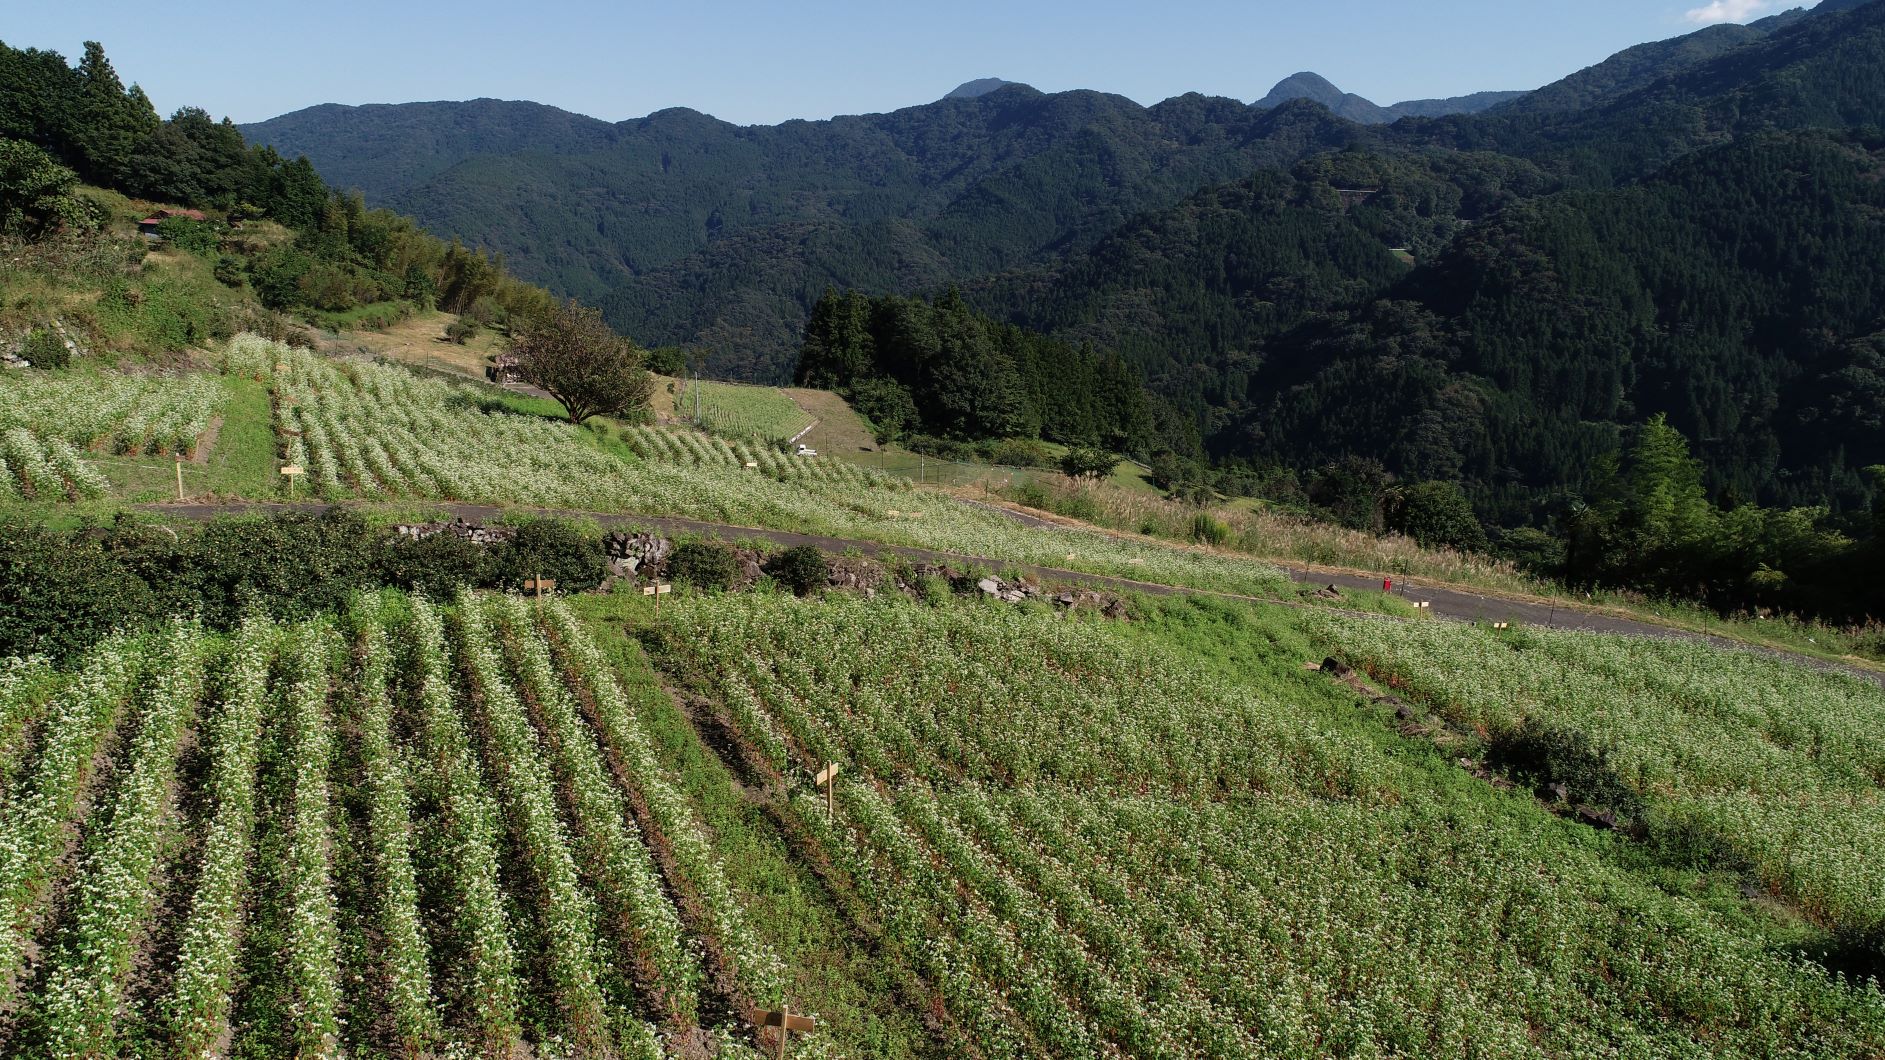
x=197, y=1012
x=758, y=969
x=33, y=821
x=24, y=688
x=611, y=847
x=312, y=959
x=482, y=980
x=565, y=912
x=403, y=948
x=78, y=1008
x=48, y=471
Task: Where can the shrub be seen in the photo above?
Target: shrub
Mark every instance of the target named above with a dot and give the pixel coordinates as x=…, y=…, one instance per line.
x=1208, y=530
x=803, y=569
x=195, y=237
x=44, y=349
x=229, y=271
x=554, y=549
x=1019, y=452
x=461, y=331
x=1541, y=754
x=1032, y=494
x=435, y=565
x=704, y=564
x=1088, y=463
x=932, y=590
x=61, y=593
x=294, y=565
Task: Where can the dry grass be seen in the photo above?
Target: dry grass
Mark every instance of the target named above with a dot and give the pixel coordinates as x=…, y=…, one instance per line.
x=420, y=340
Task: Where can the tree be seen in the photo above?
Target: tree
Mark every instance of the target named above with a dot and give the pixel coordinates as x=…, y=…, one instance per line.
x=110, y=123
x=887, y=404
x=36, y=192
x=1438, y=515
x=1088, y=463
x=582, y=363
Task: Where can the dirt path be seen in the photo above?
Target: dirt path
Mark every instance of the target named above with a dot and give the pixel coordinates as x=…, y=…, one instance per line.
x=199, y=453
x=1456, y=604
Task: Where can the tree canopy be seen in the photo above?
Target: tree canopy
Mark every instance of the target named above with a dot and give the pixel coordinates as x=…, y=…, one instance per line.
x=574, y=356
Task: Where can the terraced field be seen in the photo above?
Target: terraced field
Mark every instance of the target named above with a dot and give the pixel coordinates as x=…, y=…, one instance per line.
x=51, y=424
x=405, y=831
x=377, y=431
x=484, y=827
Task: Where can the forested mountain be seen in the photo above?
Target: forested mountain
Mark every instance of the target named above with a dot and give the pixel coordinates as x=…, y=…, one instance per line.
x=1821, y=69
x=689, y=229
x=1192, y=294
x=398, y=146
x=1741, y=291
x=1318, y=89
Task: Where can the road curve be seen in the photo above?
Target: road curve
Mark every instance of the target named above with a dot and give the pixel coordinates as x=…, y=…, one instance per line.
x=1444, y=602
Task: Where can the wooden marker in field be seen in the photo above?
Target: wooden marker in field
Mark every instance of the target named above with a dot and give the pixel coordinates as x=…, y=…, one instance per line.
x=1501, y=625
x=657, y=591
x=786, y=1022
x=827, y=778
x=179, y=476
x=538, y=584
x=288, y=471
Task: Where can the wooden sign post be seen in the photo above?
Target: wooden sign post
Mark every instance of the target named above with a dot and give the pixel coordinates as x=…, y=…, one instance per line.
x=291, y=472
x=657, y=591
x=1501, y=625
x=827, y=778
x=538, y=584
x=786, y=1021
x=179, y=476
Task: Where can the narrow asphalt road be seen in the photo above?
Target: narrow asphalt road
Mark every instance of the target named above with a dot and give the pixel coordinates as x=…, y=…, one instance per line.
x=1455, y=604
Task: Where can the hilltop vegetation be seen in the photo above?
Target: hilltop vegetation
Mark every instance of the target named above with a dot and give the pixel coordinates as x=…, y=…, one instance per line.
x=275, y=234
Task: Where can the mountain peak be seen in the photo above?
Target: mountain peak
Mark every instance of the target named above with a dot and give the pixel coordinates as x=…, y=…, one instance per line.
x=1312, y=86
x=981, y=86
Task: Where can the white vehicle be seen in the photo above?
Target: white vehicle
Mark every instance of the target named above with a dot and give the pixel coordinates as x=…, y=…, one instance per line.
x=806, y=450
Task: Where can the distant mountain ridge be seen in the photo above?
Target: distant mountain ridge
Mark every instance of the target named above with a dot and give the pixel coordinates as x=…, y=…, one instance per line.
x=688, y=229
x=1315, y=87
x=981, y=86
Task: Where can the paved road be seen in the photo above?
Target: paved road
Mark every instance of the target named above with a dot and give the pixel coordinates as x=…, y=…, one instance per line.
x=1456, y=604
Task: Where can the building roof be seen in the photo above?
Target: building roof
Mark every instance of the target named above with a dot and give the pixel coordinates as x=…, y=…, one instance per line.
x=193, y=215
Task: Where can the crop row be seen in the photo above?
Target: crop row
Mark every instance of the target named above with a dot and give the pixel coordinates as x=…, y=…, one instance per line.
x=378, y=430
x=1093, y=868
x=77, y=1009
x=1780, y=766
x=696, y=449
x=47, y=469
x=110, y=411
x=760, y=413
x=452, y=757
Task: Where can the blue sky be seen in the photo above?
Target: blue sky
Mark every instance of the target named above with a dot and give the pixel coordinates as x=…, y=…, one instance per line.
x=760, y=62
